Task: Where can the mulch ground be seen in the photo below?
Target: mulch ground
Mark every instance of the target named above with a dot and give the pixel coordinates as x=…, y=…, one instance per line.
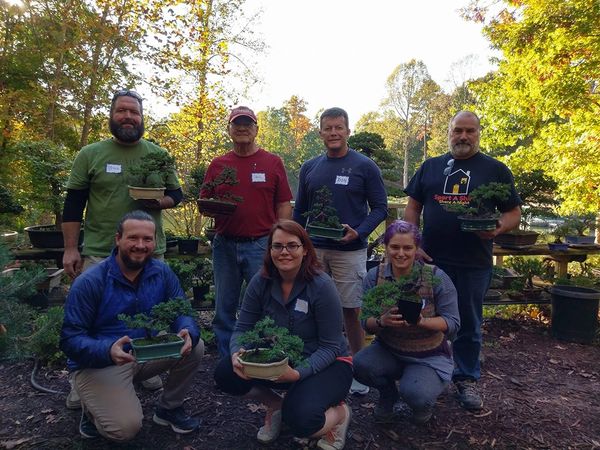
x=538, y=393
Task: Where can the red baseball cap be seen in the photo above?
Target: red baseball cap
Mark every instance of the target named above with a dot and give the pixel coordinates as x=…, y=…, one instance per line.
x=242, y=111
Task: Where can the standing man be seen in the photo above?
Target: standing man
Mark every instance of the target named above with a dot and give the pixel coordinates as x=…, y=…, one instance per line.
x=240, y=242
x=360, y=198
x=97, y=343
x=98, y=181
x=465, y=256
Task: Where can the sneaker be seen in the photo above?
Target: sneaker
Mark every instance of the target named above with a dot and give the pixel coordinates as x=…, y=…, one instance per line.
x=385, y=414
x=267, y=435
x=467, y=395
x=87, y=429
x=153, y=384
x=358, y=388
x=73, y=401
x=176, y=418
x=335, y=439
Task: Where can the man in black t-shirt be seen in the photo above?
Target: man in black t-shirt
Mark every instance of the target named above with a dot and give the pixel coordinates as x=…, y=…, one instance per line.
x=465, y=256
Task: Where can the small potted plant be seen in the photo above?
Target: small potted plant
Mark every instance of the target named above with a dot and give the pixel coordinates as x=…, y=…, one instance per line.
x=528, y=268
x=223, y=203
x=268, y=350
x=479, y=215
x=8, y=206
x=147, y=180
x=402, y=293
x=323, y=220
x=194, y=275
x=578, y=226
x=156, y=344
x=559, y=233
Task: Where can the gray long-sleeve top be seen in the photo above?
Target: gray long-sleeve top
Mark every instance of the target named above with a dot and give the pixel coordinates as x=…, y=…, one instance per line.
x=446, y=306
x=313, y=312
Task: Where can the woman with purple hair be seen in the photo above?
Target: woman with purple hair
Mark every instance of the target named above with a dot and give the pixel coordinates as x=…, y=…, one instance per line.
x=417, y=354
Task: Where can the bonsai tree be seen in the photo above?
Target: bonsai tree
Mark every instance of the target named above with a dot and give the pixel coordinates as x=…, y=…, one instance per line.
x=162, y=315
x=322, y=213
x=480, y=199
x=560, y=233
x=579, y=224
x=195, y=272
x=269, y=343
x=537, y=192
x=528, y=268
x=152, y=171
x=228, y=176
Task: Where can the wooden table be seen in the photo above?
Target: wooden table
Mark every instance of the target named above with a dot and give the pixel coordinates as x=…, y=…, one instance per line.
x=561, y=258
x=38, y=254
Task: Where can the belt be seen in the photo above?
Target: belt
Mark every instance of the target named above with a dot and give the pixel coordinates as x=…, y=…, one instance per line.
x=243, y=238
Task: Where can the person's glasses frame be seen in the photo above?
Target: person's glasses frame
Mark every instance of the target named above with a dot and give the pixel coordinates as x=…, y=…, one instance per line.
x=127, y=93
x=450, y=165
x=291, y=247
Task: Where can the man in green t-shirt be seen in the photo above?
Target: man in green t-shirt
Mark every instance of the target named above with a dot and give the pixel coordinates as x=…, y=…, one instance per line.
x=98, y=180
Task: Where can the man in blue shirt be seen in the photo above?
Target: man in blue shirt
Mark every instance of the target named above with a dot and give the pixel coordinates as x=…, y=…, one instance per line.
x=360, y=198
x=97, y=343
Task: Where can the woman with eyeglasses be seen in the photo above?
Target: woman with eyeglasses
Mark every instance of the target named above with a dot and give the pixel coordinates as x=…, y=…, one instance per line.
x=296, y=294
x=418, y=355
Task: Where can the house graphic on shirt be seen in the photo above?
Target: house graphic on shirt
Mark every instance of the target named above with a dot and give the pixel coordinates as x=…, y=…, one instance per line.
x=457, y=183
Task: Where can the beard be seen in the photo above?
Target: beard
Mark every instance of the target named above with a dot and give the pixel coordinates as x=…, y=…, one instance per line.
x=463, y=150
x=134, y=265
x=127, y=135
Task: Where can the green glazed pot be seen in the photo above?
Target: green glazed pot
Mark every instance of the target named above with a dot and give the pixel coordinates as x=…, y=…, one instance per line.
x=149, y=352
x=324, y=232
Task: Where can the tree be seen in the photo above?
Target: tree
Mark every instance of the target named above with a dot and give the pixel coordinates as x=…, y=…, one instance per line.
x=541, y=108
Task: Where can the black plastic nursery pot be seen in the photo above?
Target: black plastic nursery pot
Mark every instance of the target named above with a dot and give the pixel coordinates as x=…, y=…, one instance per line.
x=188, y=246
x=48, y=236
x=410, y=310
x=574, y=313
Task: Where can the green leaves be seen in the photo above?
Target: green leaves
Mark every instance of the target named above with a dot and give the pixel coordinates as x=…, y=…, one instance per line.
x=153, y=170
x=162, y=316
x=322, y=213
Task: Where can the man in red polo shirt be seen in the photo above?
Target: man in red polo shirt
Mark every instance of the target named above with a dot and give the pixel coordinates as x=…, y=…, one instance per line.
x=240, y=243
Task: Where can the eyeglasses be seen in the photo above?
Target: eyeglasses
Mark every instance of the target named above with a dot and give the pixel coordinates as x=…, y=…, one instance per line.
x=290, y=247
x=450, y=165
x=127, y=93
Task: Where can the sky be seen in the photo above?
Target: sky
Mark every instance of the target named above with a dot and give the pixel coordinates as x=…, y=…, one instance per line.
x=340, y=52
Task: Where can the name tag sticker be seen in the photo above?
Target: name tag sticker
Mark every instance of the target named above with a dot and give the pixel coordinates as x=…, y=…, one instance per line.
x=259, y=178
x=113, y=168
x=342, y=179
x=301, y=306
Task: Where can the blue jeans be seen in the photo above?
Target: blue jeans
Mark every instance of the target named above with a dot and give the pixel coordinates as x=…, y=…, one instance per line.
x=419, y=385
x=471, y=286
x=233, y=263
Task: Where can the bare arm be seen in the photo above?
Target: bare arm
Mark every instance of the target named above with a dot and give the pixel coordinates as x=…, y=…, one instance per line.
x=284, y=210
x=412, y=213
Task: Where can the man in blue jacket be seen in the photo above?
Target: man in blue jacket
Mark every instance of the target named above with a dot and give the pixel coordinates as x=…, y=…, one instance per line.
x=97, y=343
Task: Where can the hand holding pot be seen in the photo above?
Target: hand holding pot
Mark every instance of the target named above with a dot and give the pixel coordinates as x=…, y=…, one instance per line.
x=351, y=234
x=289, y=376
x=118, y=355
x=187, y=344
x=392, y=318
x=237, y=366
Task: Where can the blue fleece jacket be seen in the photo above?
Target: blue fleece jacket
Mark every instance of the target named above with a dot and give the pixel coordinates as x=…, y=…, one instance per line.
x=357, y=190
x=99, y=295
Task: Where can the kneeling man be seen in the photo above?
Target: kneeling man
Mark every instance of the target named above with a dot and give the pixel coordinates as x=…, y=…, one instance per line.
x=97, y=343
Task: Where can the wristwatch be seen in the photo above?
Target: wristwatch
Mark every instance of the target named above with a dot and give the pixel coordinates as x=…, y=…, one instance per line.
x=378, y=322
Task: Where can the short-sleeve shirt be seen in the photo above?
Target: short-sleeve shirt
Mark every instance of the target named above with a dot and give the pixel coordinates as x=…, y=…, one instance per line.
x=262, y=184
x=442, y=238
x=100, y=167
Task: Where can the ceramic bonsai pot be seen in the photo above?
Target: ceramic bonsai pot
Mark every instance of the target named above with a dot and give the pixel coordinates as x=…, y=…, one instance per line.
x=324, y=232
x=48, y=236
x=516, y=239
x=188, y=246
x=262, y=371
x=578, y=240
x=159, y=347
x=216, y=207
x=142, y=193
x=470, y=223
x=558, y=246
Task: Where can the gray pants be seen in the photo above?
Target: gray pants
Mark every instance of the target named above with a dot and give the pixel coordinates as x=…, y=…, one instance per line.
x=109, y=397
x=418, y=385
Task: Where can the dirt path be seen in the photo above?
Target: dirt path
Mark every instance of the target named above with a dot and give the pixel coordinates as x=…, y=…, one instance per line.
x=538, y=393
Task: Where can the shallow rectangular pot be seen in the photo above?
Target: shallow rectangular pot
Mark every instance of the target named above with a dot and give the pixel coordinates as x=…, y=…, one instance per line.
x=151, y=352
x=325, y=232
x=143, y=193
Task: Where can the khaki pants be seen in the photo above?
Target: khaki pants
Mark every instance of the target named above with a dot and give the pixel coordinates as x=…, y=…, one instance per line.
x=110, y=400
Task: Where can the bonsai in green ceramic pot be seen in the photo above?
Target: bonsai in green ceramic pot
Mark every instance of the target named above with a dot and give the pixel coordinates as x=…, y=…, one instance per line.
x=479, y=215
x=323, y=220
x=157, y=343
